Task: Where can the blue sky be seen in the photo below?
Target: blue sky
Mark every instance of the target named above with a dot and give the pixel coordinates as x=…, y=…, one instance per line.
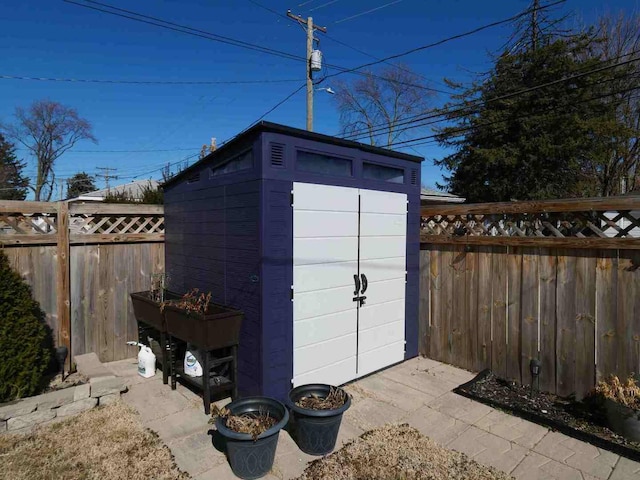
x=51, y=38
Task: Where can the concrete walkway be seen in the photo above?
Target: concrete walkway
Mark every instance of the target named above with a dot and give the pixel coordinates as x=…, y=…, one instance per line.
x=417, y=392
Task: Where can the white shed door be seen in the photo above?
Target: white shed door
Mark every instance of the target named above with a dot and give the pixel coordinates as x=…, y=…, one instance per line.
x=325, y=258
x=340, y=232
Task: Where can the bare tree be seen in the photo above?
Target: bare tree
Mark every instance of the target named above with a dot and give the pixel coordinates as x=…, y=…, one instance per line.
x=48, y=129
x=375, y=108
x=618, y=40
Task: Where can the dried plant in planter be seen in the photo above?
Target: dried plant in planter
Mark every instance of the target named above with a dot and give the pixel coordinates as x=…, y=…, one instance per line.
x=626, y=393
x=192, y=301
x=252, y=423
x=159, y=284
x=336, y=398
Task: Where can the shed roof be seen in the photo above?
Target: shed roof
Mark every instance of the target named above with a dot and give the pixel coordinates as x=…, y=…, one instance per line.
x=263, y=126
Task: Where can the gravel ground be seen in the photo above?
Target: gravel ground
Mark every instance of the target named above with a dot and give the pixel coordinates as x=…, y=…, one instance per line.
x=398, y=452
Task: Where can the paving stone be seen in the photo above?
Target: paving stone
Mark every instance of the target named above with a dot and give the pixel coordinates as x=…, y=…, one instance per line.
x=109, y=399
x=180, y=424
x=17, y=408
x=90, y=366
x=512, y=428
x=439, y=427
x=106, y=387
x=451, y=374
x=489, y=449
x=388, y=391
x=538, y=467
x=626, y=470
x=29, y=420
x=55, y=399
x=371, y=413
x=581, y=455
x=101, y=379
x=77, y=407
x=81, y=392
x=291, y=465
x=348, y=432
x=460, y=407
x=3, y=426
x=224, y=472
x=155, y=400
x=419, y=379
x=195, y=453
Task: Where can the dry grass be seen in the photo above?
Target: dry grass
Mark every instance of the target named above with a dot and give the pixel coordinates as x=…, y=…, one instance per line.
x=107, y=442
x=336, y=398
x=398, y=452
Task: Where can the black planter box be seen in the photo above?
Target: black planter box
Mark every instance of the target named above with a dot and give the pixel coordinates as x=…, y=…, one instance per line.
x=218, y=328
x=148, y=311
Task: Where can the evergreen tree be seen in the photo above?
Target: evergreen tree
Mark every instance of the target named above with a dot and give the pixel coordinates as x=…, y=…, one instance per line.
x=13, y=185
x=513, y=140
x=80, y=183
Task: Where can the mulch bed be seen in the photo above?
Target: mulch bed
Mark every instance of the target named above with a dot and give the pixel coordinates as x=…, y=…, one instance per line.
x=584, y=420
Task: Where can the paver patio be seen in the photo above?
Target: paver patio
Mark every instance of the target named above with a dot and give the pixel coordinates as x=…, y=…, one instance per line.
x=417, y=392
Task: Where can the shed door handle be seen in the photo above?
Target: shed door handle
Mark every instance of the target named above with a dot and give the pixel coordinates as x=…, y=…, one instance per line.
x=356, y=279
x=365, y=283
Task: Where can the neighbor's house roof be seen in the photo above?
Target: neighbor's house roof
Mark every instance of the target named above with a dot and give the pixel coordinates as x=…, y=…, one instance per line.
x=429, y=195
x=133, y=189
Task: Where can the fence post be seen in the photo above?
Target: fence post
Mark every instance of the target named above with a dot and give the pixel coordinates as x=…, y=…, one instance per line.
x=62, y=281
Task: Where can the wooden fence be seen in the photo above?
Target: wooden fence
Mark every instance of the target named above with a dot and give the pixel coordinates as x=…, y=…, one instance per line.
x=82, y=261
x=558, y=281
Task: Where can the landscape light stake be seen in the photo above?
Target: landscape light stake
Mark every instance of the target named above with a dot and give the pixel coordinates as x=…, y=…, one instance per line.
x=534, y=368
x=61, y=357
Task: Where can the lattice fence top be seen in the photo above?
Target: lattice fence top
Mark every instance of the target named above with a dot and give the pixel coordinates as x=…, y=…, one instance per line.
x=37, y=222
x=605, y=223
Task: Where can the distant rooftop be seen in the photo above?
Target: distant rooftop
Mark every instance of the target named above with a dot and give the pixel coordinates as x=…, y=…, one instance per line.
x=429, y=195
x=133, y=189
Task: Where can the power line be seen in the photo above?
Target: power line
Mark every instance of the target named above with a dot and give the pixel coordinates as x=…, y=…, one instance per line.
x=135, y=151
x=465, y=107
x=369, y=11
x=145, y=82
x=449, y=39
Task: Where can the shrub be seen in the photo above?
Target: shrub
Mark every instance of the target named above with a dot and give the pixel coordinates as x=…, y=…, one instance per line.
x=25, y=339
x=626, y=393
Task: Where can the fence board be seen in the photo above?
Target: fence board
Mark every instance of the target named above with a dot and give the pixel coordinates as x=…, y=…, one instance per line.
x=548, y=267
x=514, y=287
x=446, y=313
x=471, y=311
x=629, y=311
x=609, y=338
x=530, y=315
x=566, y=323
x=459, y=302
x=483, y=353
x=424, y=306
x=585, y=372
x=436, y=335
x=499, y=311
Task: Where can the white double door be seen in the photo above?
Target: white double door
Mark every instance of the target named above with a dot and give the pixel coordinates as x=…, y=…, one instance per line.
x=348, y=243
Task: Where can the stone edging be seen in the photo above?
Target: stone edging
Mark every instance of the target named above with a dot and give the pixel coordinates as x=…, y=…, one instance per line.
x=23, y=414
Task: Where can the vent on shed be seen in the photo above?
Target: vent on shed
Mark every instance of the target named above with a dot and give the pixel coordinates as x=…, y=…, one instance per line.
x=277, y=155
x=414, y=176
x=194, y=178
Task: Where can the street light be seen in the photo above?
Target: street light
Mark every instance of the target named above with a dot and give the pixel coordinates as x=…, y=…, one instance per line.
x=326, y=89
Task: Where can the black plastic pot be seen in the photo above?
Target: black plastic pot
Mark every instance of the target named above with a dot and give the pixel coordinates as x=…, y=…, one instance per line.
x=623, y=420
x=315, y=431
x=148, y=311
x=251, y=458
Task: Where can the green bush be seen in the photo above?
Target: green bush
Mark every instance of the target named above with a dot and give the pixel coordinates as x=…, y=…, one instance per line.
x=25, y=338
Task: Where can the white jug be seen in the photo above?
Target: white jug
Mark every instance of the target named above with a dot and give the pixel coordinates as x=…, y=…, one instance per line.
x=146, y=360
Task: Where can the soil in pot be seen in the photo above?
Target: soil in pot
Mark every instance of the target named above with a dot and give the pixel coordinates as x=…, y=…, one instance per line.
x=251, y=454
x=317, y=413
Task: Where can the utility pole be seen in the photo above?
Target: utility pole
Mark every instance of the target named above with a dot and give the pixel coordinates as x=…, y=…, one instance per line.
x=308, y=24
x=106, y=175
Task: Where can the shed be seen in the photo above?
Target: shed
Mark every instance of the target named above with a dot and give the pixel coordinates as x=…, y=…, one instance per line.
x=316, y=239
